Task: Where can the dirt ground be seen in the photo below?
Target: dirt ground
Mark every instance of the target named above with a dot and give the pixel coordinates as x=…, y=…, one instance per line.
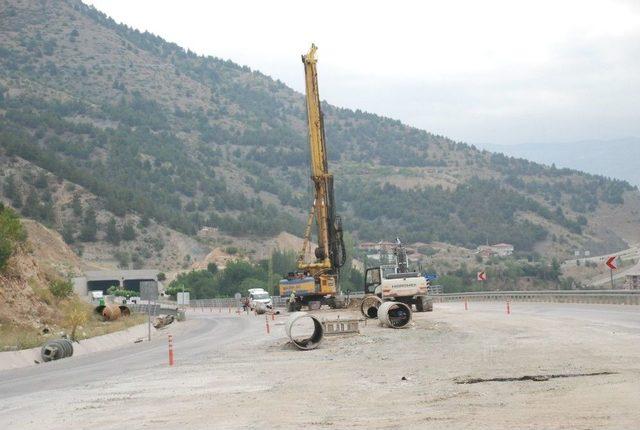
x=379, y=379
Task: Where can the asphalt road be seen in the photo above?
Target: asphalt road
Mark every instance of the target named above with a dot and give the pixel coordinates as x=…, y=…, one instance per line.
x=201, y=334
x=208, y=331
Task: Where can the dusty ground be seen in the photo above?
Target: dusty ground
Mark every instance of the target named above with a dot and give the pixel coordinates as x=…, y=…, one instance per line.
x=236, y=376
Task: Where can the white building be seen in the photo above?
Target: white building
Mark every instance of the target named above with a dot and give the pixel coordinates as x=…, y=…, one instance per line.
x=499, y=250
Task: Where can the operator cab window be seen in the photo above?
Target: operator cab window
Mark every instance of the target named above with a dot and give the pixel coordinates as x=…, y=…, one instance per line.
x=373, y=277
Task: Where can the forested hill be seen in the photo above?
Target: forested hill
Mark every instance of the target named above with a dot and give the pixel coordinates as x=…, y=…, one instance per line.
x=192, y=141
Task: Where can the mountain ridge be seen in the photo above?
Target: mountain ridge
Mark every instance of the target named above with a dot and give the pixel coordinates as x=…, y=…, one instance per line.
x=183, y=141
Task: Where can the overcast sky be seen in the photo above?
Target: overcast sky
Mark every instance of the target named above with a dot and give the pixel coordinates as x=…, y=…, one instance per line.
x=488, y=71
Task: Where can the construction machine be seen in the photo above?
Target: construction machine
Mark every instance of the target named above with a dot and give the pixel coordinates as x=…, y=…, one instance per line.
x=395, y=282
x=316, y=281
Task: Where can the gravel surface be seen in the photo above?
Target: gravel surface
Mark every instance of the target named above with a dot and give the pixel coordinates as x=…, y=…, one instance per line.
x=555, y=366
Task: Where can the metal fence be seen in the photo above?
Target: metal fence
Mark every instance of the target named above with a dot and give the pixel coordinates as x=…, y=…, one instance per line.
x=618, y=297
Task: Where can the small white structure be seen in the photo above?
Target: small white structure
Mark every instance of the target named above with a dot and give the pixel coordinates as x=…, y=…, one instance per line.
x=632, y=280
x=499, y=249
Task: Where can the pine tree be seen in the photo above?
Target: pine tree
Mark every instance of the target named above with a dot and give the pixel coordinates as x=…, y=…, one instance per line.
x=32, y=205
x=113, y=235
x=89, y=226
x=76, y=205
x=128, y=232
x=12, y=192
x=68, y=234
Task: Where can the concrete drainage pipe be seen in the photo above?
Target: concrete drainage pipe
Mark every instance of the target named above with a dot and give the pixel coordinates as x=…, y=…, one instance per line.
x=304, y=330
x=394, y=314
x=56, y=349
x=260, y=308
x=369, y=306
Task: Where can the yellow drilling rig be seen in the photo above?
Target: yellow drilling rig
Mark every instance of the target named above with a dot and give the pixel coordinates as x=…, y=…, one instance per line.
x=316, y=282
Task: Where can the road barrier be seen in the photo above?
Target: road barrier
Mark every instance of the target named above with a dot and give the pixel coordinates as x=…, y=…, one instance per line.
x=615, y=297
x=170, y=338
x=622, y=297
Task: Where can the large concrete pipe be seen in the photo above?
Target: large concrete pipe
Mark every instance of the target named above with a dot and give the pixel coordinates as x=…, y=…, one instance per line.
x=56, y=349
x=369, y=306
x=260, y=308
x=304, y=330
x=111, y=313
x=394, y=314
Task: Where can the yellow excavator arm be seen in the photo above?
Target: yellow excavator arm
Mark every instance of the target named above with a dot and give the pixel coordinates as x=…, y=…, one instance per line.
x=330, y=251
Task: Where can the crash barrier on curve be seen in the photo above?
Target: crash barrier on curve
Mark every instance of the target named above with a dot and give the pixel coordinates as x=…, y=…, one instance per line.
x=306, y=341
x=56, y=349
x=611, y=297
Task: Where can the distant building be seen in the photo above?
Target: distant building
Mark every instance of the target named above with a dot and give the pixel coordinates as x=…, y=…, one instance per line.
x=499, y=250
x=632, y=281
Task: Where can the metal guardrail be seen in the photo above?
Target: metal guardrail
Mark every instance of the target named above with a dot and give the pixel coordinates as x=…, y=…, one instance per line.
x=619, y=297
x=155, y=309
x=627, y=297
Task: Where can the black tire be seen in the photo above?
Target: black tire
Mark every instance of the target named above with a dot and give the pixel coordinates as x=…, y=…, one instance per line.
x=419, y=304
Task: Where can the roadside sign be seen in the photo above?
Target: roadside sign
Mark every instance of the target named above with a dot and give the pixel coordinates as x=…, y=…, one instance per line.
x=482, y=276
x=611, y=262
x=148, y=290
x=183, y=298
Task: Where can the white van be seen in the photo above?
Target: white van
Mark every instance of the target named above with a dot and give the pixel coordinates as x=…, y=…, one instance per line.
x=259, y=297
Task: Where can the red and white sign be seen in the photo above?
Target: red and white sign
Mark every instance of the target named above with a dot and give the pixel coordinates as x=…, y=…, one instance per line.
x=482, y=276
x=611, y=262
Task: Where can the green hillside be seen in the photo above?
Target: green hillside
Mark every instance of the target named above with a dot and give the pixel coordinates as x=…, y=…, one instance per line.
x=192, y=141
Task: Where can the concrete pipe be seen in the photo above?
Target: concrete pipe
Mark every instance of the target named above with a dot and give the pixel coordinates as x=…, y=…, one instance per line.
x=260, y=308
x=394, y=314
x=369, y=306
x=111, y=313
x=304, y=330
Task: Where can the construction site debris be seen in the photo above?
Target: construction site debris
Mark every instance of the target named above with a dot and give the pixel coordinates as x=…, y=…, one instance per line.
x=341, y=326
x=163, y=321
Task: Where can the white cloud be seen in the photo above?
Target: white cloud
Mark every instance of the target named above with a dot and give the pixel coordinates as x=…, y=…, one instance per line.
x=498, y=71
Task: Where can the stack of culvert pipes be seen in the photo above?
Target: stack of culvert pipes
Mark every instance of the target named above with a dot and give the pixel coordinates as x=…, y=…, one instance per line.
x=56, y=349
x=394, y=314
